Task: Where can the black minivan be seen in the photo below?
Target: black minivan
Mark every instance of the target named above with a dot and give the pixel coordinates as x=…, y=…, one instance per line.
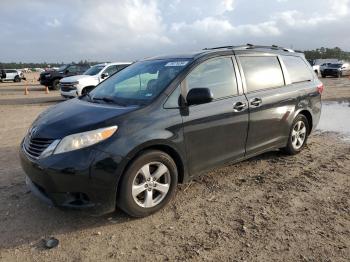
x=164, y=120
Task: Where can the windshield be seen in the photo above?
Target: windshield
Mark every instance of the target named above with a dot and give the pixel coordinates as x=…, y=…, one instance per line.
x=139, y=83
x=94, y=70
x=335, y=65
x=62, y=68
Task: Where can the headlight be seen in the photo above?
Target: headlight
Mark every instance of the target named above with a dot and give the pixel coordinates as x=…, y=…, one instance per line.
x=75, y=84
x=81, y=140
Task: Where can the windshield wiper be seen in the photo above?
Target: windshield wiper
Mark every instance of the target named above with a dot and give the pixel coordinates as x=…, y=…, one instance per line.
x=104, y=99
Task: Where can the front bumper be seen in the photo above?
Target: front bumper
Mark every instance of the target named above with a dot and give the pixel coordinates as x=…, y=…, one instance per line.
x=328, y=72
x=82, y=179
x=69, y=94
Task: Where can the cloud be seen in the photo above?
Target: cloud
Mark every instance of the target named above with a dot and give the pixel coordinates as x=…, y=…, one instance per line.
x=131, y=29
x=294, y=18
x=54, y=23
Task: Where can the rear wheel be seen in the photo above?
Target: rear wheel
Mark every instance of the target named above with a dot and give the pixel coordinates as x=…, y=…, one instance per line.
x=298, y=135
x=148, y=184
x=17, y=79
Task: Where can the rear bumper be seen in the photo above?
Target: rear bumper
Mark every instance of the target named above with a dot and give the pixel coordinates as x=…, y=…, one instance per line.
x=84, y=179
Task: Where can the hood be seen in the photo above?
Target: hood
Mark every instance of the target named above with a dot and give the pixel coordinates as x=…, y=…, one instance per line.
x=75, y=116
x=77, y=78
x=51, y=72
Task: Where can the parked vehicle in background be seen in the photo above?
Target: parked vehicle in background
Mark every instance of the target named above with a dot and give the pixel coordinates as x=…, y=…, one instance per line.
x=316, y=64
x=323, y=66
x=80, y=84
x=163, y=120
x=2, y=74
x=12, y=75
x=337, y=70
x=52, y=78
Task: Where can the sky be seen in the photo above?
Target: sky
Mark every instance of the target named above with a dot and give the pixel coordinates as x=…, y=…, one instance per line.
x=127, y=30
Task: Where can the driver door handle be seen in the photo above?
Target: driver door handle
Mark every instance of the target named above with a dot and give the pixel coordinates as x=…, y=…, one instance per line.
x=256, y=101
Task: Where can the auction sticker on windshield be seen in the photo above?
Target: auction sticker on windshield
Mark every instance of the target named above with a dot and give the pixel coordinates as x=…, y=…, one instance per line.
x=177, y=63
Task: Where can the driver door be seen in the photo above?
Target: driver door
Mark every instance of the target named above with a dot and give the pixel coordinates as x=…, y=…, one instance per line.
x=215, y=132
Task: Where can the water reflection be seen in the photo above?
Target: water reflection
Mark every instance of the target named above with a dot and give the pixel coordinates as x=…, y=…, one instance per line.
x=335, y=117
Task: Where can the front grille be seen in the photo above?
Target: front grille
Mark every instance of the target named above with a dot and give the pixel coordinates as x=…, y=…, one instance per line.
x=35, y=146
x=330, y=71
x=67, y=87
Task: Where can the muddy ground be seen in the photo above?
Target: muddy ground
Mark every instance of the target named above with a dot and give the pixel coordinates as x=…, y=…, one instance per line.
x=270, y=208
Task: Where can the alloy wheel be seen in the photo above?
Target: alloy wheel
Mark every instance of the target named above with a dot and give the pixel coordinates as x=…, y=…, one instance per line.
x=298, y=134
x=151, y=184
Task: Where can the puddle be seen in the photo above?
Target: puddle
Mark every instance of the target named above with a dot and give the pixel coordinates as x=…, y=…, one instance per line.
x=335, y=117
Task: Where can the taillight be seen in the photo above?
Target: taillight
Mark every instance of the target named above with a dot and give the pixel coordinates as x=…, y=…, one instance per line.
x=320, y=88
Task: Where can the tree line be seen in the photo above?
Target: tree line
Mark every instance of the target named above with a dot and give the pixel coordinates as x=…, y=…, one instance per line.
x=326, y=53
x=14, y=65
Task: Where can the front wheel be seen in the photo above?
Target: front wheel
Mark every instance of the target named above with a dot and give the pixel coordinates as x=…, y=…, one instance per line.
x=298, y=135
x=55, y=84
x=148, y=184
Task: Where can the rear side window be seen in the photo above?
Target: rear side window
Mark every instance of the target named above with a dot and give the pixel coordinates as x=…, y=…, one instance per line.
x=216, y=74
x=261, y=72
x=297, y=69
x=72, y=69
x=111, y=69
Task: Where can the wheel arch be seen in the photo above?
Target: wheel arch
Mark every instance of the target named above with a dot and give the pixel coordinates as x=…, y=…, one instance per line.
x=308, y=116
x=87, y=87
x=164, y=147
x=175, y=156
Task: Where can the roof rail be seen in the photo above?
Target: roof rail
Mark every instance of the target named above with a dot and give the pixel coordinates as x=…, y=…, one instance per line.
x=251, y=46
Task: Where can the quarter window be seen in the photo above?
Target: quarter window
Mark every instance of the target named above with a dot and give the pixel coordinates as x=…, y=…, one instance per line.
x=217, y=75
x=261, y=72
x=173, y=99
x=297, y=69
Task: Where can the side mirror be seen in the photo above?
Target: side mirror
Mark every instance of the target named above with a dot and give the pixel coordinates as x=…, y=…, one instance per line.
x=197, y=96
x=104, y=75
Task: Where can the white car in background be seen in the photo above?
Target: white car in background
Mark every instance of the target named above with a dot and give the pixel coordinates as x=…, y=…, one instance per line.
x=12, y=75
x=78, y=85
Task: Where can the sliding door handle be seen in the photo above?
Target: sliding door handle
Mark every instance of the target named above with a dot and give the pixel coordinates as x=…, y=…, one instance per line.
x=256, y=101
x=239, y=106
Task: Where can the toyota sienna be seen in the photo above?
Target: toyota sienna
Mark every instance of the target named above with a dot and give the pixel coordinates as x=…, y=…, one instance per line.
x=163, y=120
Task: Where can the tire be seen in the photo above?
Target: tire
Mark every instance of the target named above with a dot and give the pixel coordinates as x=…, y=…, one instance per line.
x=17, y=79
x=55, y=85
x=139, y=197
x=87, y=90
x=323, y=76
x=297, y=141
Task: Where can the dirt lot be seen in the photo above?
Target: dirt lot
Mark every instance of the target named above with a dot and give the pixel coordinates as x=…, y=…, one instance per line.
x=270, y=208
